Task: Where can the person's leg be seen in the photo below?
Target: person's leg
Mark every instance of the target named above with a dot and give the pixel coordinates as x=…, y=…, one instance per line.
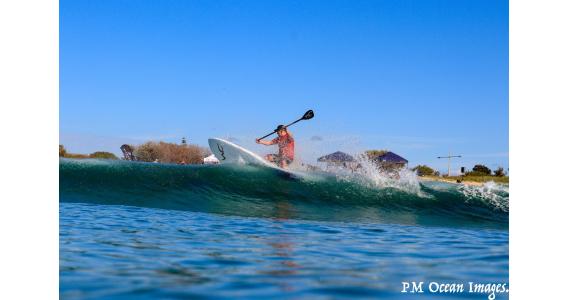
x=270, y=157
x=285, y=163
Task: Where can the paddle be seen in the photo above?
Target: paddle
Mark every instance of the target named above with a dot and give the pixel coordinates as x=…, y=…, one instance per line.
x=308, y=115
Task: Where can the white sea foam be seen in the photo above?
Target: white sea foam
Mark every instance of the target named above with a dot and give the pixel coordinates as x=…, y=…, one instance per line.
x=368, y=174
x=497, y=195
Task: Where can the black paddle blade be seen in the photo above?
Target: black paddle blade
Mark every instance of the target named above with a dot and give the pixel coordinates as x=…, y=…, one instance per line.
x=308, y=115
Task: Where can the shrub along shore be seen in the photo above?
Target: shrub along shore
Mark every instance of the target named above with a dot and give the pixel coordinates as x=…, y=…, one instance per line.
x=468, y=180
x=98, y=154
x=479, y=175
x=161, y=152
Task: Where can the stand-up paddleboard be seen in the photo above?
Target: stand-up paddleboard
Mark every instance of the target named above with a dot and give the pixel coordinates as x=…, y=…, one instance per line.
x=227, y=152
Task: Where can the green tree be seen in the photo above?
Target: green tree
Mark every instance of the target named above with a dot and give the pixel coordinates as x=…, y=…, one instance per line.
x=103, y=155
x=481, y=169
x=147, y=152
x=170, y=153
x=422, y=170
x=500, y=172
x=76, y=155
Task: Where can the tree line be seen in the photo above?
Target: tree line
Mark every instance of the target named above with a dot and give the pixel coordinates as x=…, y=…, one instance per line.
x=98, y=154
x=169, y=153
x=477, y=170
x=151, y=152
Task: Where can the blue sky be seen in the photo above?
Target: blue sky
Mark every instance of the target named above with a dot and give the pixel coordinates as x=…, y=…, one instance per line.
x=420, y=78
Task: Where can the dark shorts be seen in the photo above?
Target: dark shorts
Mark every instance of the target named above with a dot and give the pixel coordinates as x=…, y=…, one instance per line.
x=278, y=159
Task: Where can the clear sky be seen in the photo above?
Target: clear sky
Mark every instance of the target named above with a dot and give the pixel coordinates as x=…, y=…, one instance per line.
x=419, y=78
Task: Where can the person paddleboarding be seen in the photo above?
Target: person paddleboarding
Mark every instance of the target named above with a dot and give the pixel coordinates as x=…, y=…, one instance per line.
x=285, y=143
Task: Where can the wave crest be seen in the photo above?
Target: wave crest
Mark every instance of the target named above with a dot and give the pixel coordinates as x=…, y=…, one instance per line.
x=364, y=196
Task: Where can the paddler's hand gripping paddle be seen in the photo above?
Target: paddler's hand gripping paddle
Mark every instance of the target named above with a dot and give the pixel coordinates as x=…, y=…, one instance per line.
x=308, y=115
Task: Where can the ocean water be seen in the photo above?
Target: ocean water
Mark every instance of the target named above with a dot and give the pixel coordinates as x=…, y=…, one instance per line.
x=151, y=231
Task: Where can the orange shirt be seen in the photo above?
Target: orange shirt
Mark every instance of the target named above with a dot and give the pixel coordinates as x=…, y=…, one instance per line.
x=285, y=146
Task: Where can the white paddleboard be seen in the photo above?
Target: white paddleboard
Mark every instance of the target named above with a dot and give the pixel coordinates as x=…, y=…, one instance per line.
x=230, y=153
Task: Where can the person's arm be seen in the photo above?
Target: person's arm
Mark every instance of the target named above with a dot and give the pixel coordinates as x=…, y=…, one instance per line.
x=267, y=143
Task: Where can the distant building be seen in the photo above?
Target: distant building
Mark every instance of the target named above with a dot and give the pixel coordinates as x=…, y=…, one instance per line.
x=385, y=160
x=336, y=157
x=390, y=160
x=339, y=159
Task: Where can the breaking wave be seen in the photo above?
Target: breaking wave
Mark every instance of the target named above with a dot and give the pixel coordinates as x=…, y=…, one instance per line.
x=243, y=190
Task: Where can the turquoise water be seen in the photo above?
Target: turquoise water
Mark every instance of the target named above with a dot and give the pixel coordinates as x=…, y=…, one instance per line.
x=135, y=230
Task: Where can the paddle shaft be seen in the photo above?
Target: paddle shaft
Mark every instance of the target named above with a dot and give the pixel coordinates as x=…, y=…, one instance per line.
x=300, y=119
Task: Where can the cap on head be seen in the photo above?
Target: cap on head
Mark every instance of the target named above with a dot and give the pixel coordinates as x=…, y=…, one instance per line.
x=280, y=127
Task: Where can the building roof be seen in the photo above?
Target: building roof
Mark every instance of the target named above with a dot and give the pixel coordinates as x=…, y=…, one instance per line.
x=337, y=156
x=392, y=158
